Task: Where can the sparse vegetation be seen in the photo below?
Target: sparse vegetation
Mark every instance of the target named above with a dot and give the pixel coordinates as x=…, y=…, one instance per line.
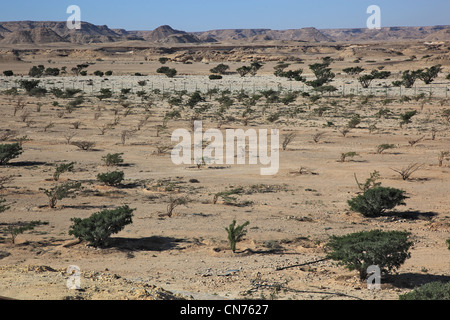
x=407, y=171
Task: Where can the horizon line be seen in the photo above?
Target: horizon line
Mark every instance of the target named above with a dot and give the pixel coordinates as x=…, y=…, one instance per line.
x=220, y=29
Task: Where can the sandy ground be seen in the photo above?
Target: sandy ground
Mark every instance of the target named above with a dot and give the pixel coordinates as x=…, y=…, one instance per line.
x=290, y=220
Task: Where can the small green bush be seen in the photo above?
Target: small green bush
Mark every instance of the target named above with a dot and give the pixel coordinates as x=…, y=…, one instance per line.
x=431, y=291
x=375, y=201
x=113, y=159
x=9, y=152
x=357, y=251
x=98, y=228
x=111, y=178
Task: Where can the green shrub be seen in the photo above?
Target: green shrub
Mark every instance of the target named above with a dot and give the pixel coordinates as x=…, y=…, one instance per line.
x=111, y=178
x=9, y=151
x=215, y=77
x=169, y=72
x=357, y=251
x=448, y=242
x=60, y=192
x=220, y=68
x=113, y=159
x=29, y=85
x=98, y=228
x=64, y=167
x=3, y=207
x=431, y=291
x=8, y=73
x=375, y=201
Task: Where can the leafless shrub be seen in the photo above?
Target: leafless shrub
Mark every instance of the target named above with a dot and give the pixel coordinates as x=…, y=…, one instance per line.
x=434, y=131
x=49, y=126
x=125, y=135
x=287, y=139
x=412, y=142
x=60, y=114
x=84, y=145
x=68, y=136
x=105, y=127
x=97, y=115
x=19, y=105
x=76, y=124
x=345, y=155
x=162, y=149
x=7, y=135
x=25, y=115
x=175, y=202
x=317, y=136
x=344, y=131
x=407, y=171
x=4, y=180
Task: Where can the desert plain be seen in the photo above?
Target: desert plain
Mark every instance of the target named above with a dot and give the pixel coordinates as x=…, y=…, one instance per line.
x=291, y=214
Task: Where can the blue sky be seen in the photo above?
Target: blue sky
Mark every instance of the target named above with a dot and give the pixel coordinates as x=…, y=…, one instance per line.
x=202, y=15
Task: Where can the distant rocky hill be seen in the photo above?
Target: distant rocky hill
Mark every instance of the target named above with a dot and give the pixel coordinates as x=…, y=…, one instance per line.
x=38, y=32
x=41, y=32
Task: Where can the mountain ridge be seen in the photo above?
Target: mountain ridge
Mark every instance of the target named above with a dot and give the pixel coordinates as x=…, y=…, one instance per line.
x=41, y=32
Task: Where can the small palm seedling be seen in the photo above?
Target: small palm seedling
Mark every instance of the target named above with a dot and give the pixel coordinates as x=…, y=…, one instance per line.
x=60, y=169
x=407, y=171
x=236, y=233
x=60, y=192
